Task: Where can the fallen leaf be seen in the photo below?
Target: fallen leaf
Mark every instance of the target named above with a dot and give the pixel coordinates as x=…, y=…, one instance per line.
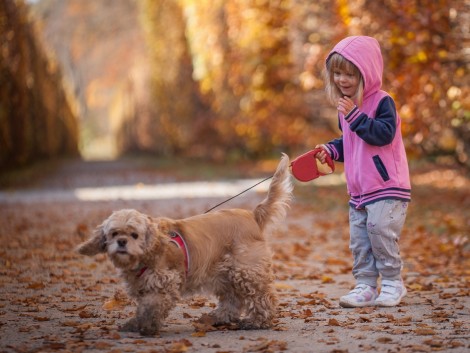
x=365, y=310
x=419, y=348
x=333, y=322
x=41, y=318
x=75, y=308
x=283, y=286
x=424, y=331
x=327, y=279
x=37, y=285
x=179, y=346
x=434, y=343
x=86, y=314
x=102, y=345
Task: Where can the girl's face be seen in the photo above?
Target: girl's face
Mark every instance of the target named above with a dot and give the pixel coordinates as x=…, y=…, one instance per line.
x=346, y=81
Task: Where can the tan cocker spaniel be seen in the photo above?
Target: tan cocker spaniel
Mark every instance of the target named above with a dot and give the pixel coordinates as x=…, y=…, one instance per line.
x=224, y=253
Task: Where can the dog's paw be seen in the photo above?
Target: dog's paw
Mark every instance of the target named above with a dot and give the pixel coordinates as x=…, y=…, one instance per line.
x=218, y=318
x=150, y=329
x=250, y=325
x=130, y=326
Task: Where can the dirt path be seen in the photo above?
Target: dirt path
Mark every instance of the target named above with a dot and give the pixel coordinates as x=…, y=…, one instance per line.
x=52, y=299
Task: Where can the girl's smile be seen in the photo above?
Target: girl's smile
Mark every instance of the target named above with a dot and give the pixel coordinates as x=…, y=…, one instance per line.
x=347, y=82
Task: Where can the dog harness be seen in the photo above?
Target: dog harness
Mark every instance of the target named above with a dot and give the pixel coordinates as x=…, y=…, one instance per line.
x=140, y=270
x=178, y=240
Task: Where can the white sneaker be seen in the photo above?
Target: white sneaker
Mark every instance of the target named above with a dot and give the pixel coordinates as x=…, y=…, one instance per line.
x=391, y=293
x=361, y=295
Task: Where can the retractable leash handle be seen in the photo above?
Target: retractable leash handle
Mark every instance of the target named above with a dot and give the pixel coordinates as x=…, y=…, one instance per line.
x=304, y=168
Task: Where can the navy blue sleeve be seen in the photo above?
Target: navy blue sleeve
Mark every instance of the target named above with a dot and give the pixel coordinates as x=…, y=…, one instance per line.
x=335, y=147
x=379, y=131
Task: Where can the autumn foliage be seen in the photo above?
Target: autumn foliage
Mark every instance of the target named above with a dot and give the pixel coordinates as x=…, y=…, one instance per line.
x=258, y=68
x=37, y=120
x=225, y=79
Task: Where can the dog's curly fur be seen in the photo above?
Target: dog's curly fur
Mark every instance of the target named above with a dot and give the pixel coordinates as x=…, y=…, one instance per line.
x=229, y=257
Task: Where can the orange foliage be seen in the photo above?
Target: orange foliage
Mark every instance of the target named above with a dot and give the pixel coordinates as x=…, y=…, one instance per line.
x=258, y=67
x=37, y=117
x=426, y=69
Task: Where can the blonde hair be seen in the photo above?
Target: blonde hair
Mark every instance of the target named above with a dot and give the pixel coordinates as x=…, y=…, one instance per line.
x=339, y=62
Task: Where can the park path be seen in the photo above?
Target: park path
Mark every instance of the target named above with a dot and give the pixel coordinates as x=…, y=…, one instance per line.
x=53, y=300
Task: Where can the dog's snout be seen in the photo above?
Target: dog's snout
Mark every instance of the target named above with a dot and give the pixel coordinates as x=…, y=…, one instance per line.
x=122, y=242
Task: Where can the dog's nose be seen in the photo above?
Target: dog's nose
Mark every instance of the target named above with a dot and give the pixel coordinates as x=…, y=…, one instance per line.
x=122, y=242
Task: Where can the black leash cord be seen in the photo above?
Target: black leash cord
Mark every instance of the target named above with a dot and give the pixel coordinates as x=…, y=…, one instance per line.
x=251, y=187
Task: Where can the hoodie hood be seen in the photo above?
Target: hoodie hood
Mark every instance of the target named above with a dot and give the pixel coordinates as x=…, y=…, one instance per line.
x=364, y=53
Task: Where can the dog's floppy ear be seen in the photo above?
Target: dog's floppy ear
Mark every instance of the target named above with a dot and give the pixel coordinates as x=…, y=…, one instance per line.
x=153, y=235
x=96, y=244
x=151, y=232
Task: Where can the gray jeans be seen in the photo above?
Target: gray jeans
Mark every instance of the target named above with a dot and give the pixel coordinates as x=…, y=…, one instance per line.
x=374, y=234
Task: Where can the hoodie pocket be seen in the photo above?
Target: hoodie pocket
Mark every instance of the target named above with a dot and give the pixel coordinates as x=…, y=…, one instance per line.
x=381, y=168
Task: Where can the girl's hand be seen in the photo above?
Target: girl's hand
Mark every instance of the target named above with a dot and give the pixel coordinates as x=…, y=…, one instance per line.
x=321, y=156
x=345, y=105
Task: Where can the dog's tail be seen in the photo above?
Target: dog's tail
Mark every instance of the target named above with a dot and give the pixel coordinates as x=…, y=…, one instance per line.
x=274, y=207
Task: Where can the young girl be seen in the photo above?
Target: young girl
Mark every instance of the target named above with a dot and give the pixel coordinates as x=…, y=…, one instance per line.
x=376, y=169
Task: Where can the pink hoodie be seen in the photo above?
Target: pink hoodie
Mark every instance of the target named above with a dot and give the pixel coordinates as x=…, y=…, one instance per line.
x=371, y=146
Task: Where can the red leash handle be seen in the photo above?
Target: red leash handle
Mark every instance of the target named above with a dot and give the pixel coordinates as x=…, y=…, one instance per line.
x=304, y=167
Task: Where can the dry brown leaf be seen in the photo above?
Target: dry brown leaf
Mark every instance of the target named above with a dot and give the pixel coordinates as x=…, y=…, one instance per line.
x=403, y=321
x=327, y=279
x=333, y=322
x=36, y=285
x=419, y=348
x=179, y=346
x=75, y=308
x=300, y=250
x=424, y=331
x=365, y=310
x=102, y=345
x=113, y=304
x=283, y=286
x=364, y=319
x=336, y=261
x=434, y=343
x=267, y=346
x=41, y=318
x=86, y=314
x=204, y=324
x=139, y=342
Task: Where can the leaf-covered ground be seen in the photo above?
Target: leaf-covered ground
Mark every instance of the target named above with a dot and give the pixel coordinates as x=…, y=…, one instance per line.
x=52, y=299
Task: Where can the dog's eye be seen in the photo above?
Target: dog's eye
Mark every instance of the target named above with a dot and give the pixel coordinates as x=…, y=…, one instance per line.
x=114, y=234
x=134, y=235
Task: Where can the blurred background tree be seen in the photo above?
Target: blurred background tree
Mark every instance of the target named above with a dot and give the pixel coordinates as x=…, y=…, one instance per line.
x=37, y=116
x=236, y=78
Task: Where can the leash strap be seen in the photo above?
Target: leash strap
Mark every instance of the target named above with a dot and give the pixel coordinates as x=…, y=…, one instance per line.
x=251, y=187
